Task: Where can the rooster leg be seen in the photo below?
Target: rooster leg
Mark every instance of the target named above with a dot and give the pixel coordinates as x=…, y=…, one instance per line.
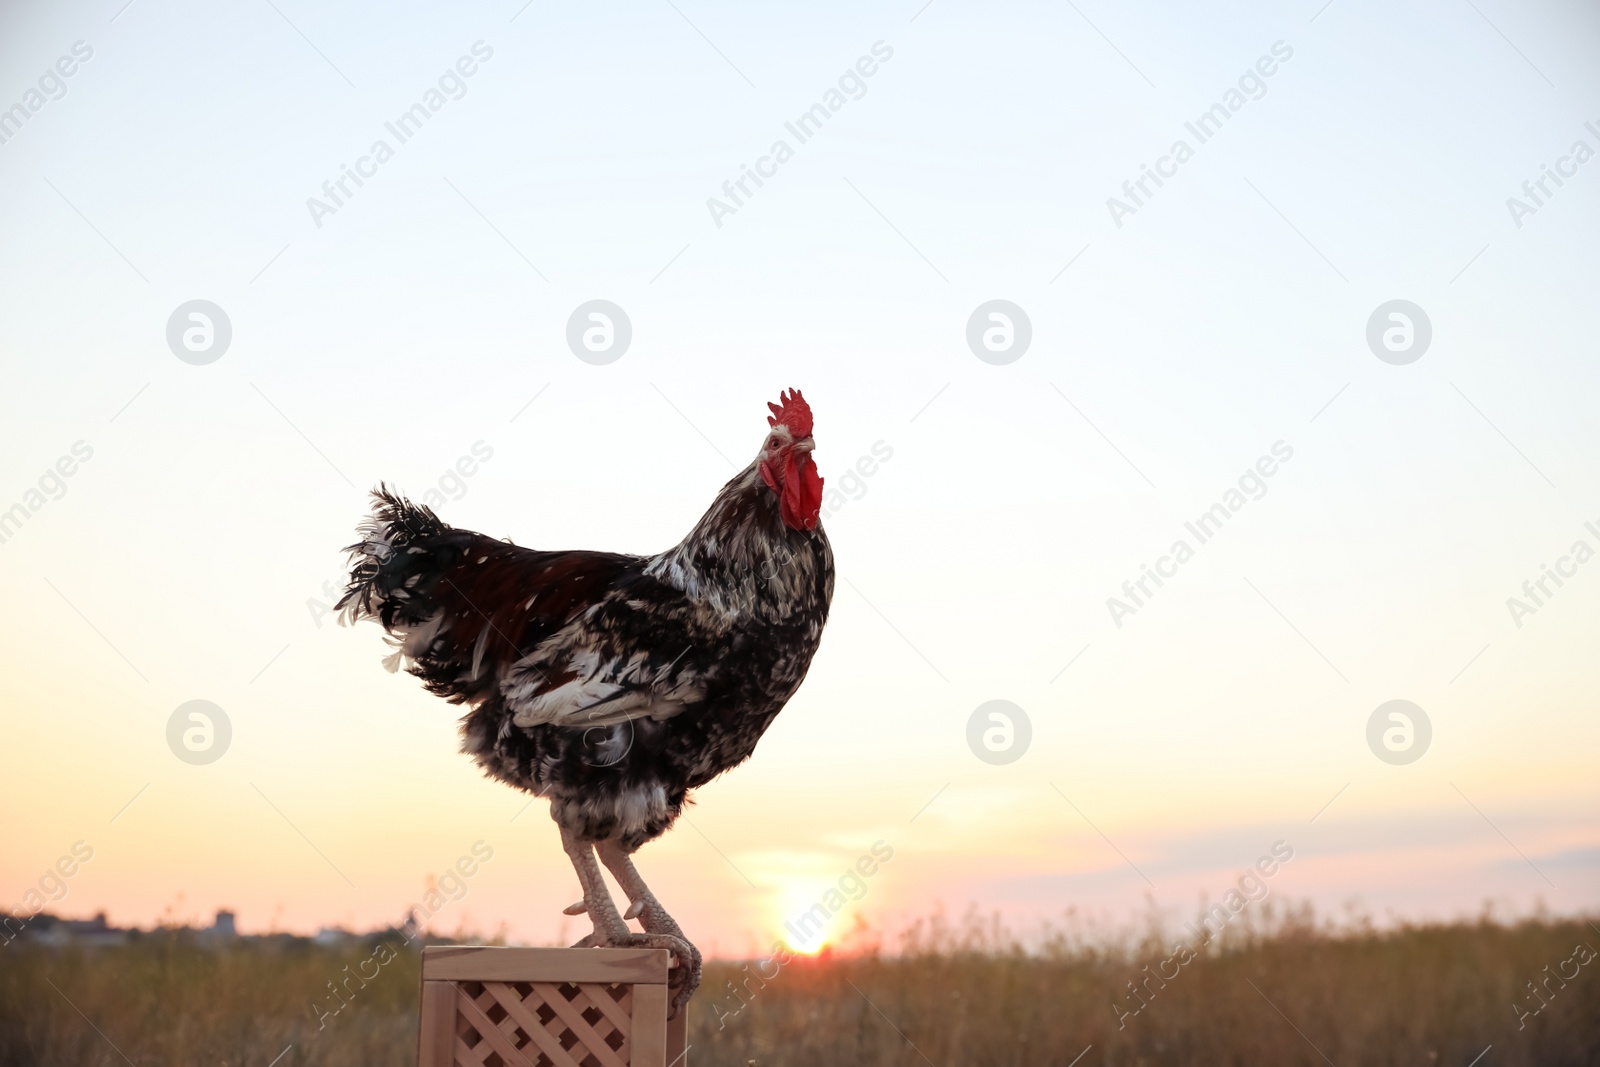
x=609, y=929
x=654, y=918
x=652, y=915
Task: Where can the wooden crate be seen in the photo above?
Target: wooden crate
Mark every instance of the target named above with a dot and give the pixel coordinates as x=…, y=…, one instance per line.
x=548, y=1007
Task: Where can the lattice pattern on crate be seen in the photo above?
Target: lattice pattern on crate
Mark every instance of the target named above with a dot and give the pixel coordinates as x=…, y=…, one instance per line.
x=542, y=1024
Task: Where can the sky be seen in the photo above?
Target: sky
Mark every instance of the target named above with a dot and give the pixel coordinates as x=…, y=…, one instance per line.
x=1199, y=346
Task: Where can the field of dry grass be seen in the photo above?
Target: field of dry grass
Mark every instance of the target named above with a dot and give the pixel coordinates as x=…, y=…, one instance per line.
x=1285, y=995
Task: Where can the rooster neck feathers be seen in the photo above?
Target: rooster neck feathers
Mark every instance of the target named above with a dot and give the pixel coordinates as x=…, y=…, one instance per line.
x=741, y=558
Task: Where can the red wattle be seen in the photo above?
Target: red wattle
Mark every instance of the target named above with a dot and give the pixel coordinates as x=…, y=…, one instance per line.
x=801, y=502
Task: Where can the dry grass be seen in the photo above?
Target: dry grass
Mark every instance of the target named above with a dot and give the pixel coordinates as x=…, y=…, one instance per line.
x=1282, y=993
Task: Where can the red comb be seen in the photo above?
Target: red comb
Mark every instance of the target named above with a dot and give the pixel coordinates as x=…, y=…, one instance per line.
x=793, y=412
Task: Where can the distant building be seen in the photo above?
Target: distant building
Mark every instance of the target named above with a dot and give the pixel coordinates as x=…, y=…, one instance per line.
x=49, y=930
x=52, y=931
x=221, y=929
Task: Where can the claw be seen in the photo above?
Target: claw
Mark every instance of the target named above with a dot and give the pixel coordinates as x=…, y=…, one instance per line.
x=634, y=910
x=575, y=909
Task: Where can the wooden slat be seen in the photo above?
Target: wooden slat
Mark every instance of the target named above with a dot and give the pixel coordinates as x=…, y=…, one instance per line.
x=619, y=1012
x=472, y=1057
x=496, y=1039
x=678, y=1039
x=606, y=1025
x=649, y=1026
x=547, y=1042
x=519, y=1016
x=622, y=966
x=595, y=996
x=516, y=1011
x=570, y=1014
x=436, y=1037
x=498, y=993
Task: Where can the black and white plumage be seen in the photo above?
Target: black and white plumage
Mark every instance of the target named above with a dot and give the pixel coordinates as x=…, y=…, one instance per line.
x=613, y=684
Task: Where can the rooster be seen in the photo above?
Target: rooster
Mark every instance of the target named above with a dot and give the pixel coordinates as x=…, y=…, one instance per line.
x=613, y=685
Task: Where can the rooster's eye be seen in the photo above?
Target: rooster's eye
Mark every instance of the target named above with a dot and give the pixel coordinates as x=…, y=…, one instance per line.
x=772, y=443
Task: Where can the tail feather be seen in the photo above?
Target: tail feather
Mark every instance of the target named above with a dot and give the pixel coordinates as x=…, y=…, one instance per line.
x=461, y=608
x=395, y=552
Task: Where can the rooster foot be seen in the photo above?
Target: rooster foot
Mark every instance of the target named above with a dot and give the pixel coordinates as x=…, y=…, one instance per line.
x=684, y=976
x=611, y=929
